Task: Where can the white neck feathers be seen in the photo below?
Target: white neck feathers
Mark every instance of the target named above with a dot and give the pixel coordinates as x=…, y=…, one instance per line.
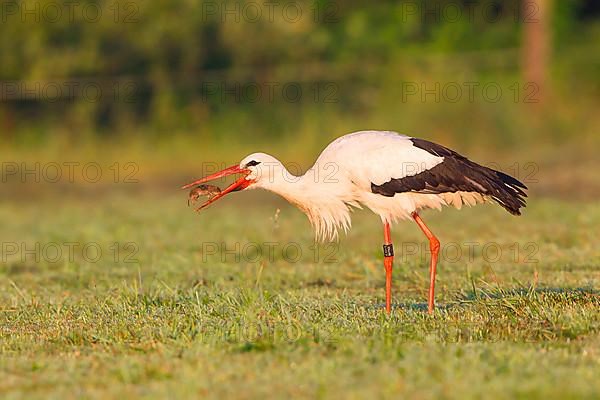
x=318, y=198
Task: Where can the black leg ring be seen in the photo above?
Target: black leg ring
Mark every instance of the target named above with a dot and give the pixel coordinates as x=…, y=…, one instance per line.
x=388, y=250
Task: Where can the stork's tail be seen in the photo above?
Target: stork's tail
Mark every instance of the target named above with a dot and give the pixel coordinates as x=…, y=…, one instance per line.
x=502, y=188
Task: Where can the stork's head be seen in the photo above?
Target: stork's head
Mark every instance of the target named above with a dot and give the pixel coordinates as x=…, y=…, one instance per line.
x=256, y=170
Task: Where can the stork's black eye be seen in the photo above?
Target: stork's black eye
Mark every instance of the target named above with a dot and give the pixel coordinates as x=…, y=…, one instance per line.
x=252, y=163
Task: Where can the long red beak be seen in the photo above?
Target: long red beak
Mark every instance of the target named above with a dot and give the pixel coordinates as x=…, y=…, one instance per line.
x=239, y=184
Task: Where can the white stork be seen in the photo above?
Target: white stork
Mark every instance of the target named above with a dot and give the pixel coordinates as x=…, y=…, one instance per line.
x=393, y=175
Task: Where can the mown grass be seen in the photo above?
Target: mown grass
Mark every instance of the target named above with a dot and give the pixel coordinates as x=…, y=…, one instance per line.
x=180, y=311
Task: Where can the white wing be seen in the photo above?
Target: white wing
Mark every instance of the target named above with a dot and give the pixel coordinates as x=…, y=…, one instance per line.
x=367, y=157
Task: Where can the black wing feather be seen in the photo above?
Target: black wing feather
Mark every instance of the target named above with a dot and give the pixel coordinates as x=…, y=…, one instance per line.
x=458, y=174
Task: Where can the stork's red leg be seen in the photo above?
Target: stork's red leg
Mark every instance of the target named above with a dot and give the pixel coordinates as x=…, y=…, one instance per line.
x=388, y=261
x=434, y=247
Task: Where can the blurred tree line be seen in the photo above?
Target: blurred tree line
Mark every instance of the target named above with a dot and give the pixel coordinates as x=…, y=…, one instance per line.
x=115, y=67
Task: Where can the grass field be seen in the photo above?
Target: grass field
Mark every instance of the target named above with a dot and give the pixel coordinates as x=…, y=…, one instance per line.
x=113, y=295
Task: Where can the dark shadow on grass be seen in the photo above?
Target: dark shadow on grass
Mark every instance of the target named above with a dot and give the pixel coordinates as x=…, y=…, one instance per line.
x=504, y=293
x=413, y=306
x=489, y=294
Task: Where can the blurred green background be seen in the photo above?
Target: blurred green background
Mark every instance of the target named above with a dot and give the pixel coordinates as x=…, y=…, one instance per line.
x=152, y=81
